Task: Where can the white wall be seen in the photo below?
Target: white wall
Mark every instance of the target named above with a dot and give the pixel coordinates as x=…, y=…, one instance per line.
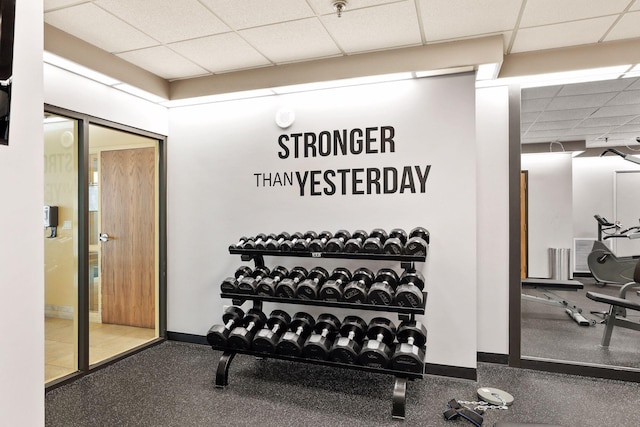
x=215, y=149
x=73, y=92
x=21, y=247
x=550, y=207
x=492, y=130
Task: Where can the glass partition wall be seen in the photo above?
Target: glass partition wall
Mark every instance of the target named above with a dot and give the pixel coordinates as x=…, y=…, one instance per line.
x=104, y=243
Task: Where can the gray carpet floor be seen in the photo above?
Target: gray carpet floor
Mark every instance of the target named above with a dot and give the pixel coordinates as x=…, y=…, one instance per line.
x=548, y=332
x=172, y=384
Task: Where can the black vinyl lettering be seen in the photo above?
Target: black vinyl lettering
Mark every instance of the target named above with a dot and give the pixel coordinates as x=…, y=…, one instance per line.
x=356, y=181
x=373, y=178
x=423, y=178
x=296, y=140
x=313, y=182
x=390, y=180
x=266, y=178
x=257, y=175
x=281, y=142
x=355, y=142
x=324, y=143
x=329, y=182
x=340, y=141
x=288, y=177
x=277, y=180
x=301, y=182
x=369, y=140
x=407, y=180
x=309, y=144
x=386, y=137
x=343, y=173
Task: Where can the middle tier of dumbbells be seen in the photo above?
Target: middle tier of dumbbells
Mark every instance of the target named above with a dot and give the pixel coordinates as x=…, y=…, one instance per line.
x=378, y=344
x=362, y=286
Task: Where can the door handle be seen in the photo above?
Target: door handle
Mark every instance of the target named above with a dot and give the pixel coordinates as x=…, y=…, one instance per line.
x=104, y=237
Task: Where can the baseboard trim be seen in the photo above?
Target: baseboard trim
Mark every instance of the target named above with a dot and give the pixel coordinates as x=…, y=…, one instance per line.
x=190, y=338
x=581, y=369
x=502, y=359
x=451, y=371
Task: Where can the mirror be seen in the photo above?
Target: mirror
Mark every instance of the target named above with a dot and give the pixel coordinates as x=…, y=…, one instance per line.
x=566, y=181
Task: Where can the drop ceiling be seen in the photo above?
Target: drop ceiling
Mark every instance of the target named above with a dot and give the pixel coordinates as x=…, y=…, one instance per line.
x=188, y=39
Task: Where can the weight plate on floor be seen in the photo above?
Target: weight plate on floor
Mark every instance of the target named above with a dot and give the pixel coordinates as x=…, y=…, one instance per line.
x=495, y=396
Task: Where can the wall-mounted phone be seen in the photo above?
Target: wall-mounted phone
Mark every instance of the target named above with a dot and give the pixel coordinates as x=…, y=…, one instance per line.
x=51, y=220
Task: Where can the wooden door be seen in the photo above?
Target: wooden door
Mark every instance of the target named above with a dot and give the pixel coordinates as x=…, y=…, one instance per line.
x=128, y=217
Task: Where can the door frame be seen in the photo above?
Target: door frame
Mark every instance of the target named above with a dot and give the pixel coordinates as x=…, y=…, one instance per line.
x=84, y=120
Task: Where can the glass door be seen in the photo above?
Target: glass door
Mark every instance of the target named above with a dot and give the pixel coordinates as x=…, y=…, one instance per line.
x=60, y=239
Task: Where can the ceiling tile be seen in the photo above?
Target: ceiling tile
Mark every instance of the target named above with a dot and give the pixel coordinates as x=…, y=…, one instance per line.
x=220, y=53
x=628, y=27
x=617, y=110
x=603, y=86
x=589, y=131
x=630, y=129
x=164, y=62
x=170, y=21
x=375, y=28
x=606, y=121
x=451, y=19
x=57, y=4
x=93, y=25
x=636, y=5
x=559, y=125
x=576, y=113
x=538, y=104
x=540, y=92
x=551, y=134
x=579, y=101
x=560, y=35
x=528, y=118
x=543, y=12
x=253, y=13
x=635, y=85
x=325, y=7
x=292, y=41
x=626, y=98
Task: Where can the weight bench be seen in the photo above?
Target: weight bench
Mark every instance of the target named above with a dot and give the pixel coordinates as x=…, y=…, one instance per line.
x=547, y=286
x=617, y=307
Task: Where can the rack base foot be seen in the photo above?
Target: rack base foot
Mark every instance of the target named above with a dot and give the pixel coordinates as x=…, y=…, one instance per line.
x=399, y=398
x=222, y=373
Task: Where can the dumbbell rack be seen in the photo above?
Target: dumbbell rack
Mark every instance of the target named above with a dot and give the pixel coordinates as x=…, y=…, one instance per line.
x=407, y=262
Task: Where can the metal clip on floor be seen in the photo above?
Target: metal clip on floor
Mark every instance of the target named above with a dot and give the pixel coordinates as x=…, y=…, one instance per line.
x=455, y=410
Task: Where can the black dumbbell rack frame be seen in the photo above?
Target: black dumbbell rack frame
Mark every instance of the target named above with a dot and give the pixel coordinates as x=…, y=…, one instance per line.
x=404, y=313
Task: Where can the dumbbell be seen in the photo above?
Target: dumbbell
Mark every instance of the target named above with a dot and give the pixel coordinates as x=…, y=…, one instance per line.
x=318, y=244
x=287, y=245
x=274, y=244
x=251, y=243
x=333, y=289
x=230, y=284
x=266, y=339
x=261, y=244
x=241, y=242
x=376, y=351
x=293, y=340
x=394, y=245
x=409, y=355
x=303, y=244
x=375, y=241
x=249, y=285
x=309, y=287
x=409, y=290
x=217, y=335
x=241, y=336
x=418, y=243
x=267, y=286
x=356, y=291
x=354, y=244
x=286, y=288
x=336, y=244
x=319, y=343
x=347, y=347
x=382, y=290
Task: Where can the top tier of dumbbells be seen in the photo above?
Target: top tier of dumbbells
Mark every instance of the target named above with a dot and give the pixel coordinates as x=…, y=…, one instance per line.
x=378, y=241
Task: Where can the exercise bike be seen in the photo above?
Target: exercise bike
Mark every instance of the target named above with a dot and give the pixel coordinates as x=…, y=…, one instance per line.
x=605, y=266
